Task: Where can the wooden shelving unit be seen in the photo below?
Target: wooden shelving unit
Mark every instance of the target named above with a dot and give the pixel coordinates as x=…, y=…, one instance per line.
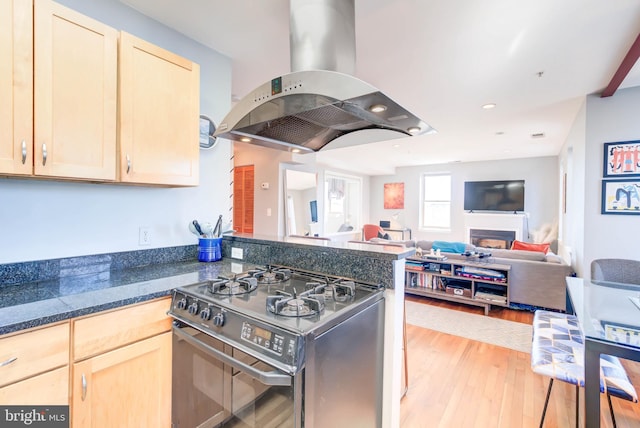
x=479, y=283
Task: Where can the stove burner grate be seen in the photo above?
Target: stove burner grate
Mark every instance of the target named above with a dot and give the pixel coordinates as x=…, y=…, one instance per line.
x=342, y=290
x=307, y=303
x=232, y=286
x=271, y=275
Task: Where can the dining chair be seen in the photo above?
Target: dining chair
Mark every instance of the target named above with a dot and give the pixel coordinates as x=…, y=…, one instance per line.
x=557, y=351
x=616, y=270
x=371, y=231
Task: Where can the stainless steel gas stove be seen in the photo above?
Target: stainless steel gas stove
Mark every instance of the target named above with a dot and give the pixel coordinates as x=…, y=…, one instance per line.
x=307, y=343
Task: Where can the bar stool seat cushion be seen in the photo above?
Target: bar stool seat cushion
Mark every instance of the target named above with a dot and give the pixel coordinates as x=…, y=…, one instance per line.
x=558, y=352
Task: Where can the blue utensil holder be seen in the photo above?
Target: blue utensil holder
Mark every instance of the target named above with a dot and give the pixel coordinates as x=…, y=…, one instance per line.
x=209, y=249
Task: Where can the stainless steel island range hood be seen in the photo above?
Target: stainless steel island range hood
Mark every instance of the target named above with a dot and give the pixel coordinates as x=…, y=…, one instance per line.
x=320, y=101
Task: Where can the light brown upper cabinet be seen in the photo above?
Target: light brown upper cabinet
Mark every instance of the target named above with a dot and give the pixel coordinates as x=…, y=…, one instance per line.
x=75, y=94
x=58, y=109
x=16, y=76
x=62, y=66
x=158, y=115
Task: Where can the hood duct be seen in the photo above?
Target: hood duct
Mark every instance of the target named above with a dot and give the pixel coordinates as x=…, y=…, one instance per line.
x=319, y=101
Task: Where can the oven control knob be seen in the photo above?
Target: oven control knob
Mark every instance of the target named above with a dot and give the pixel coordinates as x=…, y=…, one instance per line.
x=182, y=303
x=205, y=314
x=218, y=319
x=193, y=308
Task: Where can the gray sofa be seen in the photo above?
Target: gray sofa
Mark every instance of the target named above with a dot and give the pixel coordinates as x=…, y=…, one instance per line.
x=536, y=279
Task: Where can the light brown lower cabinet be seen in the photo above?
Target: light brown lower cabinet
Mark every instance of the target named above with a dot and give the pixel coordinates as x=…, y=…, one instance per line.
x=50, y=388
x=34, y=366
x=119, y=367
x=127, y=387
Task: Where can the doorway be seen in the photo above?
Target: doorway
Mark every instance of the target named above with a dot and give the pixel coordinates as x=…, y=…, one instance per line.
x=243, y=198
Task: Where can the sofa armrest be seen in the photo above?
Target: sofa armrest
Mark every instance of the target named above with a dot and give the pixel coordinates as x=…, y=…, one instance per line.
x=538, y=283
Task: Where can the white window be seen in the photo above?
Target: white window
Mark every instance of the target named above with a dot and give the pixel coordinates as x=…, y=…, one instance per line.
x=436, y=201
x=343, y=199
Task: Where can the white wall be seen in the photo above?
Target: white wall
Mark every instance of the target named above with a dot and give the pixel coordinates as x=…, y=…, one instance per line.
x=270, y=166
x=541, y=192
x=266, y=164
x=608, y=120
x=572, y=158
x=590, y=234
x=47, y=219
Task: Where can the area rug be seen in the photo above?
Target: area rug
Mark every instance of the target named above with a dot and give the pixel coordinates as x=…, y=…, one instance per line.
x=508, y=334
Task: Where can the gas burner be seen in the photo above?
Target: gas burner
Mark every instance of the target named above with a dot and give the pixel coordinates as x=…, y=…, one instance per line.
x=307, y=303
x=232, y=286
x=271, y=275
x=342, y=290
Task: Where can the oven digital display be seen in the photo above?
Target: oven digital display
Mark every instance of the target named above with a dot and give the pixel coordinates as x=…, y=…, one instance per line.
x=260, y=332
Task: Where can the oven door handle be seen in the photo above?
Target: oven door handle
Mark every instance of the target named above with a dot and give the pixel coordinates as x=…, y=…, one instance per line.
x=272, y=378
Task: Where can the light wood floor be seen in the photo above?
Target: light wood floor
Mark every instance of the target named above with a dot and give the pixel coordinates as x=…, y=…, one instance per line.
x=457, y=382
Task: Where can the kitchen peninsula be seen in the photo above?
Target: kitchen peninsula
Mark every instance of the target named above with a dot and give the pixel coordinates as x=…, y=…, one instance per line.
x=39, y=301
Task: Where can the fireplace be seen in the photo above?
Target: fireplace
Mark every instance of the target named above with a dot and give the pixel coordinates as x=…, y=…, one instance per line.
x=488, y=238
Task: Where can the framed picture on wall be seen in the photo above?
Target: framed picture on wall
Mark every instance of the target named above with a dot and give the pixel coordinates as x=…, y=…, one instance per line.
x=621, y=197
x=394, y=196
x=622, y=159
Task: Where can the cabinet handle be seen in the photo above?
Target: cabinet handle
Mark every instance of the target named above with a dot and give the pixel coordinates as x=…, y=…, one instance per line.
x=84, y=387
x=44, y=154
x=7, y=362
x=128, y=164
x=24, y=151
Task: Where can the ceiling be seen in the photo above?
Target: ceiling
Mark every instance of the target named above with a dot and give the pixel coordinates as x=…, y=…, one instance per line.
x=442, y=60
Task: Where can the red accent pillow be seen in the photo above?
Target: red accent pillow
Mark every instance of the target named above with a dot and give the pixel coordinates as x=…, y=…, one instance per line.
x=519, y=245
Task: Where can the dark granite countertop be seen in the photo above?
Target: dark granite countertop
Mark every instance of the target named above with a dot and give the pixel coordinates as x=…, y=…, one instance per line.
x=38, y=303
x=38, y=293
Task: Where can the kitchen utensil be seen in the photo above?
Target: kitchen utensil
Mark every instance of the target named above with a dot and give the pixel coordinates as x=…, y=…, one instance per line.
x=193, y=230
x=217, y=229
x=207, y=229
x=198, y=228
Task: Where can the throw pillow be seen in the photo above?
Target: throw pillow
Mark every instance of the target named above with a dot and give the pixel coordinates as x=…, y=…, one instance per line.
x=519, y=245
x=449, y=247
x=385, y=236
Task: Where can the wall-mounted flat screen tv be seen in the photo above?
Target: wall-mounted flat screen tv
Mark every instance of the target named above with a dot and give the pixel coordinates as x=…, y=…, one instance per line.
x=494, y=195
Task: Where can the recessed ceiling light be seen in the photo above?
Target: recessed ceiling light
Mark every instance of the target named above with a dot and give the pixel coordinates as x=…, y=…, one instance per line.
x=377, y=108
x=295, y=151
x=489, y=106
x=413, y=130
x=395, y=146
x=245, y=139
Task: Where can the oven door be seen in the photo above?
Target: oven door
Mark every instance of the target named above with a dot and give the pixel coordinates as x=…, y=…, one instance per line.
x=216, y=385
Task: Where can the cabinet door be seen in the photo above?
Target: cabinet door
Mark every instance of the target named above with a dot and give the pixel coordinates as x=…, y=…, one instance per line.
x=16, y=87
x=75, y=90
x=158, y=115
x=50, y=388
x=126, y=387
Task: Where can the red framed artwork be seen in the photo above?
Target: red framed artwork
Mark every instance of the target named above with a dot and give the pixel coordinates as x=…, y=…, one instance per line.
x=394, y=196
